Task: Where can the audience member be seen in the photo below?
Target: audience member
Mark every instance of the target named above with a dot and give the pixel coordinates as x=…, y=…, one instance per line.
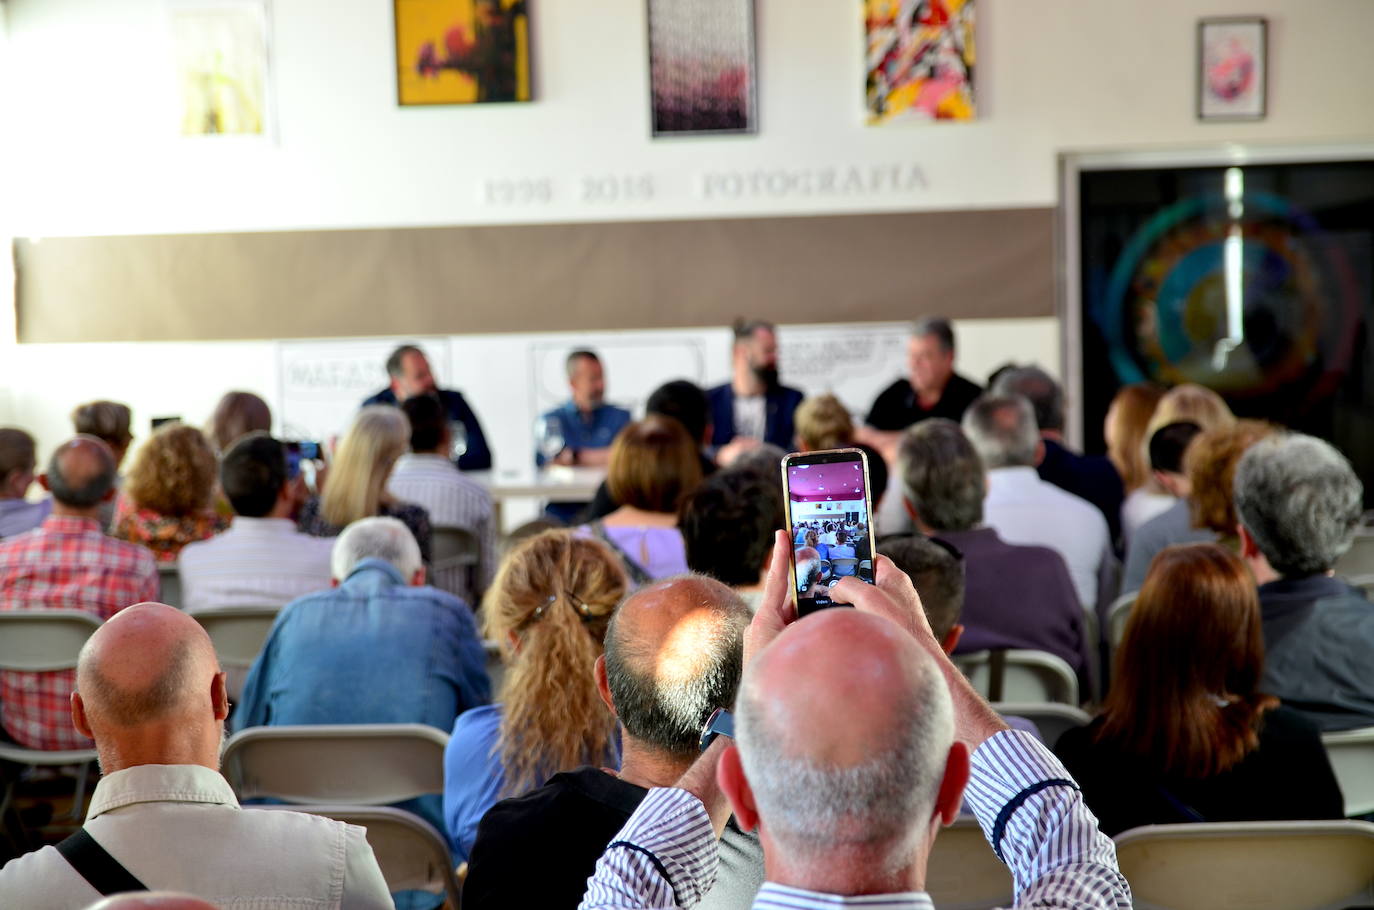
x=1090, y=477
x=853, y=746
x=1024, y=509
x=654, y=467
x=547, y=610
x=1123, y=429
x=410, y=375
x=588, y=424
x=17, y=463
x=1211, y=462
x=426, y=477
x=674, y=652
x=357, y=484
x=1299, y=502
x=108, y=421
x=236, y=415
x=380, y=647
x=823, y=422
x=1186, y=733
x=262, y=559
x=67, y=563
x=1168, y=448
x=1194, y=403
x=1016, y=596
x=936, y=570
x=754, y=406
x=151, y=695
x=1155, y=496
x=842, y=548
x=727, y=528
x=931, y=389
x=167, y=501
x=765, y=460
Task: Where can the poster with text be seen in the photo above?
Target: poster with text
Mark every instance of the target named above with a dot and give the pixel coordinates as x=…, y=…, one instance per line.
x=701, y=66
x=220, y=51
x=920, y=56
x=462, y=51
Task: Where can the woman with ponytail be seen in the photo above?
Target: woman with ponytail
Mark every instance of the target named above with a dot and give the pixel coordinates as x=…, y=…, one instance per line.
x=1185, y=735
x=548, y=610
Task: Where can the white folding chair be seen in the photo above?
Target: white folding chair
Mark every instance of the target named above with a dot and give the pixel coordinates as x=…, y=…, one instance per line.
x=1027, y=676
x=1051, y=718
x=456, y=554
x=1352, y=758
x=1117, y=614
x=1358, y=561
x=413, y=856
x=844, y=562
x=38, y=641
x=360, y=764
x=169, y=584
x=963, y=873
x=238, y=634
x=1318, y=865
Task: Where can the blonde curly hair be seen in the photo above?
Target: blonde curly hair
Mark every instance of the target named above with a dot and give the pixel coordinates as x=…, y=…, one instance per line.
x=548, y=609
x=174, y=472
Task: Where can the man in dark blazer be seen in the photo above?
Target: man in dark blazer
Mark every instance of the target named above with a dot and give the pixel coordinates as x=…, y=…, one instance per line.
x=754, y=404
x=410, y=375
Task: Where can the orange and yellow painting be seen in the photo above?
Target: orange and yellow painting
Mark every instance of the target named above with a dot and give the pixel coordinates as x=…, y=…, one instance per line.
x=462, y=51
x=920, y=59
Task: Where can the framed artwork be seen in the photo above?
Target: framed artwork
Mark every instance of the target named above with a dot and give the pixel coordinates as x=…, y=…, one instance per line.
x=220, y=52
x=919, y=60
x=1232, y=68
x=701, y=67
x=462, y=51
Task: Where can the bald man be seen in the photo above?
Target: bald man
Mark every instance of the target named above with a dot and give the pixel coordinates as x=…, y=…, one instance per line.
x=151, y=694
x=673, y=654
x=856, y=739
x=67, y=563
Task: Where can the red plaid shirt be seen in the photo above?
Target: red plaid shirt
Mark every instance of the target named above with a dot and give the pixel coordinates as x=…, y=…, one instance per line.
x=63, y=564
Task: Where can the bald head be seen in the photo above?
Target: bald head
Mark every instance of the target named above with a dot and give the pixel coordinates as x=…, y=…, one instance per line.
x=81, y=472
x=844, y=726
x=149, y=676
x=674, y=653
x=153, y=900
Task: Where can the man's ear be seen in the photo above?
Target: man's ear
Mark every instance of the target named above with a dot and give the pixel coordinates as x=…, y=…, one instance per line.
x=111, y=493
x=952, y=637
x=603, y=683
x=79, y=721
x=1248, y=548
x=1039, y=452
x=910, y=509
x=951, y=796
x=219, y=695
x=418, y=579
x=733, y=783
x=43, y=481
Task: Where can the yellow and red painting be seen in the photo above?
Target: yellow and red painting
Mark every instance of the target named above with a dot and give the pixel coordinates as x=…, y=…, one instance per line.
x=920, y=59
x=462, y=51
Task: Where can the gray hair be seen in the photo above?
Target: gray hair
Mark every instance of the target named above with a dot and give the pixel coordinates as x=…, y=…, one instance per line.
x=939, y=327
x=883, y=803
x=1299, y=499
x=942, y=476
x=570, y=365
x=387, y=539
x=1039, y=388
x=808, y=573
x=1003, y=431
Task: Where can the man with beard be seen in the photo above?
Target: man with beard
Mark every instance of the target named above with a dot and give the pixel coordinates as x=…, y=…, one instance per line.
x=589, y=424
x=753, y=406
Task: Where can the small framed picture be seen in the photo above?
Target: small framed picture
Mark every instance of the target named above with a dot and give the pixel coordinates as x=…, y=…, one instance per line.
x=1232, y=68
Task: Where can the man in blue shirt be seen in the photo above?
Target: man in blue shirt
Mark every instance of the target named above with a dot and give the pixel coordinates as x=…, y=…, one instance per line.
x=589, y=425
x=410, y=376
x=380, y=647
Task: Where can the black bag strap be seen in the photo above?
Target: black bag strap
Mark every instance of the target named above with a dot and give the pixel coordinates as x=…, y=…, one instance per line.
x=997, y=673
x=632, y=568
x=97, y=866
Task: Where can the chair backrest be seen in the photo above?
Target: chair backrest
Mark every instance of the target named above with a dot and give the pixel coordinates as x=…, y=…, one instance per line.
x=363, y=764
x=530, y=529
x=1358, y=561
x=1117, y=614
x=1028, y=676
x=38, y=640
x=169, y=587
x=963, y=873
x=1352, y=758
x=1254, y=865
x=412, y=855
x=238, y=633
x=1052, y=718
x=453, y=547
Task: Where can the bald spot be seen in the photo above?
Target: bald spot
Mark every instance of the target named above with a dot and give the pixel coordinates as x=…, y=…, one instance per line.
x=806, y=553
x=812, y=690
x=81, y=460
x=666, y=629
x=145, y=663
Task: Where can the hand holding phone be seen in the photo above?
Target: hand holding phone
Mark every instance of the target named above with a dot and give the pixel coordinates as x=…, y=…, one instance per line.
x=829, y=517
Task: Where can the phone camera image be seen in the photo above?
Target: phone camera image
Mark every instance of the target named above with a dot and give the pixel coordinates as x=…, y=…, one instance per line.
x=830, y=521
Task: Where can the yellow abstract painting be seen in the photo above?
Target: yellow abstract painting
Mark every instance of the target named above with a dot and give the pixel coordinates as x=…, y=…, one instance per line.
x=462, y=51
x=220, y=53
x=920, y=59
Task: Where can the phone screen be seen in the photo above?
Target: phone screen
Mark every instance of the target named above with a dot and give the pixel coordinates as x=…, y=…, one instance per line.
x=829, y=514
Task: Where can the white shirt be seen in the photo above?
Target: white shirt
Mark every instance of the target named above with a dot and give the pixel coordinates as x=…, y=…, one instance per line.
x=179, y=828
x=257, y=562
x=1024, y=509
x=452, y=500
x=751, y=417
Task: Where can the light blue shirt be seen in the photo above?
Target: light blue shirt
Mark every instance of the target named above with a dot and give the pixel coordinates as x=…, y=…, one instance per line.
x=596, y=430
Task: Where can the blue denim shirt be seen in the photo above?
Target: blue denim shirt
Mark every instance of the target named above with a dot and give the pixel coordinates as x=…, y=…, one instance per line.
x=374, y=650
x=583, y=432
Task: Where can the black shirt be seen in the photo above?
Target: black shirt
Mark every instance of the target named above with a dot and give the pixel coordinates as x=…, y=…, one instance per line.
x=1287, y=777
x=897, y=406
x=538, y=850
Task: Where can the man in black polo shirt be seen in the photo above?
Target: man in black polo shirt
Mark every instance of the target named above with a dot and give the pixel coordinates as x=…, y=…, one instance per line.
x=931, y=389
x=674, y=653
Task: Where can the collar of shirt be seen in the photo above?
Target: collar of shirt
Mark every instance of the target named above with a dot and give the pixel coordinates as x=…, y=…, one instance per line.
x=783, y=897
x=160, y=783
x=1013, y=480
x=413, y=459
x=1312, y=587
x=262, y=526
x=66, y=524
x=373, y=573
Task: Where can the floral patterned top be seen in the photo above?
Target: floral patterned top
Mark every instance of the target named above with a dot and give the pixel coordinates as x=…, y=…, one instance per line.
x=311, y=522
x=165, y=535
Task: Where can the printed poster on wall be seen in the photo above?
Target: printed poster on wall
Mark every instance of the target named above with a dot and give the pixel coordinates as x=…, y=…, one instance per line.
x=220, y=51
x=920, y=57
x=701, y=67
x=462, y=51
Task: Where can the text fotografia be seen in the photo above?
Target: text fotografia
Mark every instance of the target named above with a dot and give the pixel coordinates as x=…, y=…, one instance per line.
x=780, y=183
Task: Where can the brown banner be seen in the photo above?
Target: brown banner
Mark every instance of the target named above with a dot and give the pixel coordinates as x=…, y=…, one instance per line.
x=551, y=277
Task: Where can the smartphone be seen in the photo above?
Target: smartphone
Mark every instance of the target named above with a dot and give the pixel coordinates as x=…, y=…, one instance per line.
x=830, y=518
x=303, y=455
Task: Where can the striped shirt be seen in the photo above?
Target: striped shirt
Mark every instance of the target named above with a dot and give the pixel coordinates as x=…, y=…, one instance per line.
x=452, y=500
x=258, y=562
x=1029, y=808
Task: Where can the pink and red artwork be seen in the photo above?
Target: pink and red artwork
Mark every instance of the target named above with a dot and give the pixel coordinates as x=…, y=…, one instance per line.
x=1231, y=68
